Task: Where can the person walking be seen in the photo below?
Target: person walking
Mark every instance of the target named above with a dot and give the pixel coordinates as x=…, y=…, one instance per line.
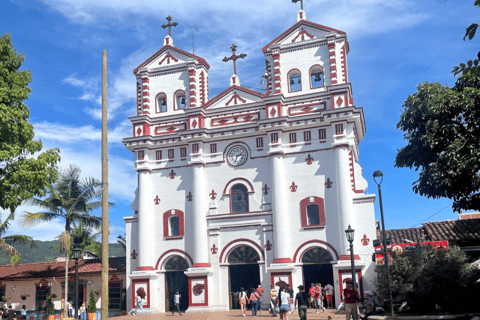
x=176, y=302
x=311, y=293
x=243, y=300
x=273, y=298
x=318, y=297
x=283, y=303
x=138, y=304
x=11, y=313
x=70, y=308
x=291, y=293
x=253, y=301
x=329, y=295
x=260, y=298
x=23, y=312
x=350, y=296
x=301, y=302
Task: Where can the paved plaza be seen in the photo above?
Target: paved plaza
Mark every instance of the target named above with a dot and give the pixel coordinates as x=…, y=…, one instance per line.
x=234, y=314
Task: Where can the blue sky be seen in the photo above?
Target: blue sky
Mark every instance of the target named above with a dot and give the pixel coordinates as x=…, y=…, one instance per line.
x=394, y=45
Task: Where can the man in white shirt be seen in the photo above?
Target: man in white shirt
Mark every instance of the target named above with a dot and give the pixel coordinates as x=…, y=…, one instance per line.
x=329, y=295
x=176, y=302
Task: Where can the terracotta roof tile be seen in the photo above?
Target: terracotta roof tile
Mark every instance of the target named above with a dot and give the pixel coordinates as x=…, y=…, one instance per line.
x=453, y=230
x=409, y=234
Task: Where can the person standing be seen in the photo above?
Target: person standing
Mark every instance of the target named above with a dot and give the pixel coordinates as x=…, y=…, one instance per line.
x=70, y=308
x=318, y=297
x=273, y=298
x=284, y=303
x=301, y=302
x=83, y=315
x=253, y=301
x=243, y=300
x=369, y=304
x=11, y=313
x=260, y=298
x=176, y=302
x=311, y=293
x=329, y=295
x=291, y=293
x=350, y=296
x=23, y=312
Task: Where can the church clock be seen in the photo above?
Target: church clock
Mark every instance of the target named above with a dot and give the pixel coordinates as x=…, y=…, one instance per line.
x=237, y=156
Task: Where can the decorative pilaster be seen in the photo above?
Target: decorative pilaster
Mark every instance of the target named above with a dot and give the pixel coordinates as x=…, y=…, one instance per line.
x=199, y=213
x=145, y=95
x=344, y=196
x=277, y=79
x=280, y=211
x=145, y=218
x=333, y=61
x=192, y=86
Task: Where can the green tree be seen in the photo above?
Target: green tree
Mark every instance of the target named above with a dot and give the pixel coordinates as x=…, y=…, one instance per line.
x=472, y=65
x=442, y=127
x=71, y=199
x=92, y=304
x=430, y=276
x=22, y=176
x=7, y=242
x=122, y=240
x=87, y=239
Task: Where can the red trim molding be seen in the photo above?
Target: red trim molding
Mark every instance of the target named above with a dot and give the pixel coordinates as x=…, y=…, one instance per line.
x=239, y=240
x=315, y=241
x=235, y=181
x=321, y=210
x=145, y=268
x=201, y=265
x=347, y=257
x=181, y=223
x=191, y=291
x=282, y=260
x=170, y=251
x=147, y=304
x=272, y=276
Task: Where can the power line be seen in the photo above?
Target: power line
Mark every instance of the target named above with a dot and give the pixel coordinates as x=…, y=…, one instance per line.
x=432, y=215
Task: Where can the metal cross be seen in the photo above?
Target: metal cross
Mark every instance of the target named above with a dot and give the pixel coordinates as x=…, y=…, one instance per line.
x=169, y=25
x=234, y=57
x=301, y=3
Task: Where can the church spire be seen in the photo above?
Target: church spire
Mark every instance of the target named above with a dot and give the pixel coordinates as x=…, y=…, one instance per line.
x=168, y=39
x=234, y=80
x=301, y=14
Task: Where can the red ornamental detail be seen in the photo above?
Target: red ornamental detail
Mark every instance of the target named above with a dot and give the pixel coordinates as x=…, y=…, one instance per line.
x=157, y=200
x=194, y=123
x=134, y=255
x=198, y=289
x=309, y=159
x=214, y=249
x=293, y=187
x=248, y=118
x=281, y=283
x=339, y=101
x=303, y=33
x=235, y=97
x=268, y=246
x=139, y=131
x=213, y=195
x=171, y=129
x=328, y=184
x=273, y=112
x=168, y=57
x=365, y=240
x=189, y=196
x=265, y=189
x=172, y=174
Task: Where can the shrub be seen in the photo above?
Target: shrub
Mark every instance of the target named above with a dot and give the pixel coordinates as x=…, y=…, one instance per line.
x=50, y=307
x=92, y=304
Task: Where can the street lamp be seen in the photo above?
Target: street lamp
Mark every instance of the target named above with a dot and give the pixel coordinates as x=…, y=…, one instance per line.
x=350, y=232
x=77, y=253
x=379, y=174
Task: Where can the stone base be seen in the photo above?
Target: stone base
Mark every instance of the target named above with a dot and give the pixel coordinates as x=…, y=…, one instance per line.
x=206, y=309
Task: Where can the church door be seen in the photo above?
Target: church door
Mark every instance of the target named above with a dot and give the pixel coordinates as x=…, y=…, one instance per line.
x=317, y=267
x=243, y=272
x=175, y=279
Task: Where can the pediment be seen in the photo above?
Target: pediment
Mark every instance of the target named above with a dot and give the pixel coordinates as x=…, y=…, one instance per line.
x=303, y=30
x=234, y=96
x=168, y=56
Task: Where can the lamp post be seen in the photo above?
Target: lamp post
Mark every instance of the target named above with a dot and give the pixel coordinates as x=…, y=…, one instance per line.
x=77, y=253
x=350, y=232
x=379, y=174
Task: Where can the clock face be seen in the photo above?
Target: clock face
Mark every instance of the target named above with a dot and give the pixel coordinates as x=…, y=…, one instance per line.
x=237, y=156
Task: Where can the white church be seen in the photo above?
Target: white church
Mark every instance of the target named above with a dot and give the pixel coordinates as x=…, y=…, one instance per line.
x=247, y=188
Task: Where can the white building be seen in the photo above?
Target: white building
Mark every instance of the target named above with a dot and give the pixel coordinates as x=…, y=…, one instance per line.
x=247, y=188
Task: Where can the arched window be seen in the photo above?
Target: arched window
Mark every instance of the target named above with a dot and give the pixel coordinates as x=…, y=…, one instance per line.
x=294, y=80
x=317, y=255
x=312, y=211
x=316, y=77
x=243, y=254
x=179, y=101
x=173, y=224
x=176, y=263
x=239, y=199
x=161, y=102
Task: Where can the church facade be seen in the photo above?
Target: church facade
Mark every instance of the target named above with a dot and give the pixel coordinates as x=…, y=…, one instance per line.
x=247, y=188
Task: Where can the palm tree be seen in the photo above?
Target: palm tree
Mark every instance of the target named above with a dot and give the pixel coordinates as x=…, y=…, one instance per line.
x=122, y=240
x=87, y=240
x=71, y=199
x=7, y=243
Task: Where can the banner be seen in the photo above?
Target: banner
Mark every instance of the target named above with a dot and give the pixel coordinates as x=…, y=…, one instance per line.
x=400, y=248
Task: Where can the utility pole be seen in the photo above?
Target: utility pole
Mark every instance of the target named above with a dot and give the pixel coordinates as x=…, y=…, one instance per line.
x=105, y=233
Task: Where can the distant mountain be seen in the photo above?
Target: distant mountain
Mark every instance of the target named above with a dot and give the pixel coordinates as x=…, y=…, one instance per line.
x=46, y=251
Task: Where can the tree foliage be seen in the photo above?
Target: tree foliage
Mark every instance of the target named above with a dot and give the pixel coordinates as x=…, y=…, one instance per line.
x=428, y=277
x=92, y=304
x=472, y=66
x=442, y=127
x=22, y=176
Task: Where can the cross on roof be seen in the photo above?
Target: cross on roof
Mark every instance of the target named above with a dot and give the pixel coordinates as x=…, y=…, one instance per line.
x=169, y=25
x=234, y=57
x=301, y=3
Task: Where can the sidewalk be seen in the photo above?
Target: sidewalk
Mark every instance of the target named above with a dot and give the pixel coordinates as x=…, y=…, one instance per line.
x=233, y=314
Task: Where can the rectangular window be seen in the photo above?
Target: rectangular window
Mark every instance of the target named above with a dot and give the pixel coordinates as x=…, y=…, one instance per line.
x=2, y=292
x=183, y=152
x=158, y=154
x=259, y=142
x=339, y=129
x=307, y=136
x=140, y=155
x=171, y=153
x=41, y=294
x=213, y=148
x=174, y=226
x=114, y=295
x=293, y=137
x=195, y=148
x=274, y=138
x=322, y=134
